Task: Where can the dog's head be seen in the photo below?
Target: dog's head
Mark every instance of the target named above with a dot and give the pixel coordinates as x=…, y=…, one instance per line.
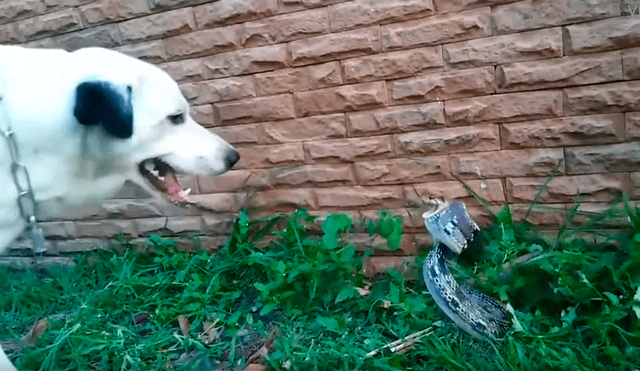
x=139, y=110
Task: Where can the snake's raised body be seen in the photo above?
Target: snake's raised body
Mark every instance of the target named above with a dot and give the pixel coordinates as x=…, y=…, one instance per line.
x=453, y=230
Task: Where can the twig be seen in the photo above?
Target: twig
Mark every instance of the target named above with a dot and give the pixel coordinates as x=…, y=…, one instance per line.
x=401, y=344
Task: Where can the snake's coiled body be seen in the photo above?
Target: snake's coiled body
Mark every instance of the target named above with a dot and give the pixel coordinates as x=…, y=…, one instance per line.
x=479, y=315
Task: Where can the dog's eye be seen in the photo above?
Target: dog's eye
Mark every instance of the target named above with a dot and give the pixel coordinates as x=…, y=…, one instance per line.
x=176, y=119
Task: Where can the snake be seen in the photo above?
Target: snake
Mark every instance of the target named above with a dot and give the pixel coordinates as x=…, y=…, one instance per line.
x=453, y=230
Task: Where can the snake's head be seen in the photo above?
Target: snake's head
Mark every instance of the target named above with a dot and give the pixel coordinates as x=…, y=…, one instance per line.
x=450, y=224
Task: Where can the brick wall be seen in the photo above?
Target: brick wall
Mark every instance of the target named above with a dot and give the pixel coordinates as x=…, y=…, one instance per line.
x=366, y=104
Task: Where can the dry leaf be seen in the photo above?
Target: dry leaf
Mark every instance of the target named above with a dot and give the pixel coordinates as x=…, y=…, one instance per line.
x=140, y=319
x=255, y=367
x=210, y=333
x=258, y=356
x=35, y=332
x=184, y=325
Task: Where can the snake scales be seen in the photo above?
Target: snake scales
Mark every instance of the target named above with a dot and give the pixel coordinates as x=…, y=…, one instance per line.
x=453, y=230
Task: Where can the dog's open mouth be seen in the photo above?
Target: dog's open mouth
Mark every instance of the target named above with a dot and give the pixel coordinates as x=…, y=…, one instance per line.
x=163, y=178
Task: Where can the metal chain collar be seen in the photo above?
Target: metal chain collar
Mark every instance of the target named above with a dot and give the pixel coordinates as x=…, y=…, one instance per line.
x=26, y=199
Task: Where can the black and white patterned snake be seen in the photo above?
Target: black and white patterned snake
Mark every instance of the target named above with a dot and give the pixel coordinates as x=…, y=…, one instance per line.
x=453, y=230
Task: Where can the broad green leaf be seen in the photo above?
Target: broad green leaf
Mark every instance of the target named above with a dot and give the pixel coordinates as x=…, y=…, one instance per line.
x=346, y=293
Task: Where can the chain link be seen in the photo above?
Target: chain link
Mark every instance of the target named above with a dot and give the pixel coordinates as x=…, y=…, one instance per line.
x=26, y=198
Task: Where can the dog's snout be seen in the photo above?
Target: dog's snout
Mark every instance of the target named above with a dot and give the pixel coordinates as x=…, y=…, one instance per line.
x=232, y=158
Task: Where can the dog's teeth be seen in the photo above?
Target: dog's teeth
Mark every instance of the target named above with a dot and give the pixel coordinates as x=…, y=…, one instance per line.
x=186, y=192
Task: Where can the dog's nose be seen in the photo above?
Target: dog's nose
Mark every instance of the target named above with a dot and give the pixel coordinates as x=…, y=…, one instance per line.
x=232, y=157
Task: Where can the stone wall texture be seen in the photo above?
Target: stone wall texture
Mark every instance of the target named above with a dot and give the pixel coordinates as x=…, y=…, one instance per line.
x=365, y=104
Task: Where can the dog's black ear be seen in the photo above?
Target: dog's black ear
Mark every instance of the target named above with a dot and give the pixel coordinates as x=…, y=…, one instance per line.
x=101, y=103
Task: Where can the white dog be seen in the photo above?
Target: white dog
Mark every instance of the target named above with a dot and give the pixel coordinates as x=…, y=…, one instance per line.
x=85, y=122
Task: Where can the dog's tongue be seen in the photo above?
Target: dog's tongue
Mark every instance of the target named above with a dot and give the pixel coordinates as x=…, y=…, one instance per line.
x=174, y=190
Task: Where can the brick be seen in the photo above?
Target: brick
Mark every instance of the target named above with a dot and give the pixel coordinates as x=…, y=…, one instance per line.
x=203, y=115
x=225, y=12
x=349, y=150
x=286, y=6
x=602, y=35
x=305, y=129
x=313, y=175
x=148, y=226
x=166, y=24
x=504, y=108
x=403, y=170
x=532, y=14
x=13, y=10
x=246, y=61
x=172, y=4
x=11, y=34
x=631, y=63
x=447, y=6
x=398, y=119
x=58, y=229
x=217, y=224
x=542, y=216
x=603, y=158
x=560, y=72
x=443, y=86
x=256, y=157
x=133, y=208
x=340, y=99
x=205, y=42
x=283, y=199
x=635, y=185
x=55, y=5
x=219, y=90
x=276, y=107
x=220, y=202
x=187, y=70
x=131, y=190
x=107, y=36
x=613, y=97
x=235, y=181
x=629, y=7
x=505, y=163
x=291, y=80
x=632, y=125
x=392, y=65
x=564, y=131
x=525, y=46
x=285, y=27
x=105, y=228
x=369, y=197
x=105, y=11
x=451, y=140
x=438, y=29
x=238, y=134
x=405, y=265
x=489, y=190
x=80, y=245
x=151, y=51
x=184, y=224
x=51, y=24
x=130, y=209
x=590, y=214
x=360, y=13
x=586, y=188
x=335, y=46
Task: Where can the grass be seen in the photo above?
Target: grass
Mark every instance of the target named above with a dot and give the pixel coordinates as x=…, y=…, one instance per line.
x=575, y=304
